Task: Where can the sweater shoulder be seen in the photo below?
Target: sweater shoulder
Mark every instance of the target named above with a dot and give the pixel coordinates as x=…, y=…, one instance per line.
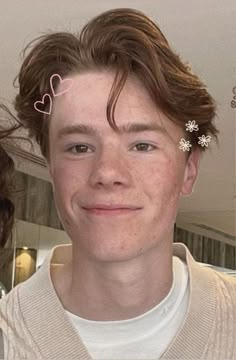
x=229, y=280
x=17, y=340
x=226, y=287
x=9, y=303
x=9, y=310
x=11, y=319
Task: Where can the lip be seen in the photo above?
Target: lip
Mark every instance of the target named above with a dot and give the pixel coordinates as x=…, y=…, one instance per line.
x=110, y=212
x=111, y=207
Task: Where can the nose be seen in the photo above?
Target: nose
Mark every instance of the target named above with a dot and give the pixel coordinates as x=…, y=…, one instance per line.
x=110, y=169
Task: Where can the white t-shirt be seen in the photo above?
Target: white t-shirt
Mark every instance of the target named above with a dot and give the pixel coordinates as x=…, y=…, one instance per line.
x=144, y=337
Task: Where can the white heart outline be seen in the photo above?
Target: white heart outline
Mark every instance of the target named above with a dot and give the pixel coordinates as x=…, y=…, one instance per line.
x=42, y=102
x=61, y=81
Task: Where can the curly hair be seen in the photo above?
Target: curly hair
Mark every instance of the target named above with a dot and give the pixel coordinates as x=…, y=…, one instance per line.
x=7, y=208
x=7, y=184
x=127, y=42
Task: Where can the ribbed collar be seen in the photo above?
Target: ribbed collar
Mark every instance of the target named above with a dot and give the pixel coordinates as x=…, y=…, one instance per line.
x=56, y=338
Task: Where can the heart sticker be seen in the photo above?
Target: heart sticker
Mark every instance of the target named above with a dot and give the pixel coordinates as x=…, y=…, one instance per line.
x=65, y=84
x=39, y=105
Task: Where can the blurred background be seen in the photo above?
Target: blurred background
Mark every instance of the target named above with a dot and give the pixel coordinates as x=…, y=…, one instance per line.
x=203, y=33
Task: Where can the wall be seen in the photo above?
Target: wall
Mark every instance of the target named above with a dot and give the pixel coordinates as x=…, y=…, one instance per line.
x=207, y=250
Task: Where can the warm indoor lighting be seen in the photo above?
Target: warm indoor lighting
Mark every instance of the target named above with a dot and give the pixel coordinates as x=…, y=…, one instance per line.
x=25, y=248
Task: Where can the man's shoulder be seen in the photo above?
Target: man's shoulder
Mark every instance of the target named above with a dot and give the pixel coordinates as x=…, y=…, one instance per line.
x=226, y=286
x=9, y=311
x=228, y=280
x=9, y=301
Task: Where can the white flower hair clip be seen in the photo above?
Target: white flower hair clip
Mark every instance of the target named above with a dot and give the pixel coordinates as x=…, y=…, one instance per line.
x=204, y=140
x=191, y=126
x=185, y=145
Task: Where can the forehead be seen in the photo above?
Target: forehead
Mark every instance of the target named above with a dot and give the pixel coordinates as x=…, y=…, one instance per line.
x=86, y=102
x=90, y=92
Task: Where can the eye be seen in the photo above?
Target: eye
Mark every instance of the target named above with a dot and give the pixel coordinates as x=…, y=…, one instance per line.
x=82, y=148
x=143, y=146
x=78, y=148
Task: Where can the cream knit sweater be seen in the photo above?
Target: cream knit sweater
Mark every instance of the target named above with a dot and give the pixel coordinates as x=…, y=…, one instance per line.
x=35, y=326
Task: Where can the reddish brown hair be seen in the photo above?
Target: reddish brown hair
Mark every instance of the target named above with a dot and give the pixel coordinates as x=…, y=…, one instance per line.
x=127, y=42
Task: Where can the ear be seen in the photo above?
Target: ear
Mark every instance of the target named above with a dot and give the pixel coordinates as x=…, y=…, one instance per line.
x=190, y=172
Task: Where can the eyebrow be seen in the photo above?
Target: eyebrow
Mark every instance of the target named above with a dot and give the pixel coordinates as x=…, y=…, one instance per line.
x=124, y=129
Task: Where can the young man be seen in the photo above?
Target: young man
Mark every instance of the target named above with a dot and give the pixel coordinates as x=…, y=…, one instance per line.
x=109, y=109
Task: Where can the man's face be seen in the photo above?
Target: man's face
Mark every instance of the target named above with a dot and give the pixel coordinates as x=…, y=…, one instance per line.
x=145, y=170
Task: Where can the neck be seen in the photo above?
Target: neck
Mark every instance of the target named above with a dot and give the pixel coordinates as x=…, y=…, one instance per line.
x=115, y=291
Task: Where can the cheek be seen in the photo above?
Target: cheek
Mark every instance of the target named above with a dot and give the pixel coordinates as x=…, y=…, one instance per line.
x=164, y=182
x=60, y=179
x=65, y=182
x=65, y=176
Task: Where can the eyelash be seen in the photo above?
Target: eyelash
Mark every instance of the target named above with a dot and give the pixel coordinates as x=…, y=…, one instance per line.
x=70, y=149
